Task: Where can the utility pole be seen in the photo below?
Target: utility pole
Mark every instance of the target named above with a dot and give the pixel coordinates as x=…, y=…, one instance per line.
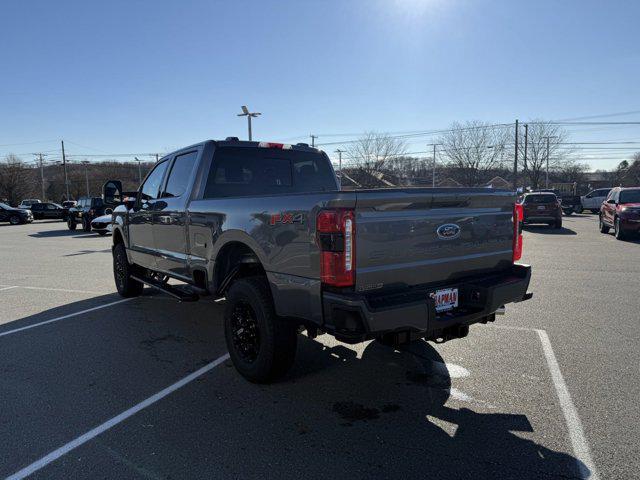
x=86, y=174
x=64, y=167
x=339, y=152
x=140, y=169
x=157, y=158
x=547, y=180
x=41, y=162
x=515, y=161
x=433, y=175
x=249, y=115
x=526, y=142
x=313, y=140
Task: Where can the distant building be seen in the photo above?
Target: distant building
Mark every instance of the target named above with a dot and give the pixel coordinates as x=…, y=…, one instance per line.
x=498, y=182
x=449, y=182
x=597, y=180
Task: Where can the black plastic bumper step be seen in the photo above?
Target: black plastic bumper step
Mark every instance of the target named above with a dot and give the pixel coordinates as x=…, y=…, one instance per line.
x=184, y=293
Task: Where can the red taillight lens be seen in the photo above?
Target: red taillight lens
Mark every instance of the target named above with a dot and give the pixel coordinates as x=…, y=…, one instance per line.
x=336, y=239
x=518, y=216
x=281, y=146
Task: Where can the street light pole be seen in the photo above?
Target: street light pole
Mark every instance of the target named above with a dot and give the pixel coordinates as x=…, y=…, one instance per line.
x=41, y=162
x=339, y=152
x=139, y=169
x=249, y=115
x=86, y=174
x=547, y=175
x=64, y=167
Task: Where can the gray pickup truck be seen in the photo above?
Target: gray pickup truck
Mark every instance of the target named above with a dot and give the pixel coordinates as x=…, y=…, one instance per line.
x=266, y=226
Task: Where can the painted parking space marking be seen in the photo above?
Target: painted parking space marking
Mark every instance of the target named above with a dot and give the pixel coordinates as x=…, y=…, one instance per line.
x=63, y=317
x=49, y=289
x=8, y=288
x=585, y=464
x=84, y=438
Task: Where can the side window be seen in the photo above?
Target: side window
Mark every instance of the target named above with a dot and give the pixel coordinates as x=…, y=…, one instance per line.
x=179, y=175
x=616, y=196
x=152, y=184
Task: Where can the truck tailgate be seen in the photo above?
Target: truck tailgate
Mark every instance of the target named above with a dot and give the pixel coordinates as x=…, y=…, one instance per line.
x=430, y=236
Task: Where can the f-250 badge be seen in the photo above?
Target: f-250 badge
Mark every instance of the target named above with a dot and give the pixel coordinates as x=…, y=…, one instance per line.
x=286, y=218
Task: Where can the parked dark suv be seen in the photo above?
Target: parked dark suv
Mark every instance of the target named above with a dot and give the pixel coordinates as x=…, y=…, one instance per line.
x=542, y=207
x=47, y=210
x=621, y=211
x=85, y=211
x=14, y=216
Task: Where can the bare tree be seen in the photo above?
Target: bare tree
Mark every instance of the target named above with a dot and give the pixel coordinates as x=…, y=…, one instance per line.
x=14, y=184
x=539, y=132
x=371, y=155
x=473, y=149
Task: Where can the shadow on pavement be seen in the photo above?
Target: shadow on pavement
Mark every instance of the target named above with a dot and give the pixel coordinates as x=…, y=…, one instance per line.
x=63, y=233
x=383, y=414
x=547, y=230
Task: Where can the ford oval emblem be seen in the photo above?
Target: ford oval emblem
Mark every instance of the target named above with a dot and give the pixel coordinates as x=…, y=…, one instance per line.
x=448, y=231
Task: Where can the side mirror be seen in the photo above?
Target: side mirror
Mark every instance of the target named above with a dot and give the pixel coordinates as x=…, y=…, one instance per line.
x=112, y=191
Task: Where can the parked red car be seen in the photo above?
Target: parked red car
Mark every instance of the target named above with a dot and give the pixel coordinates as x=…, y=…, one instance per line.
x=543, y=207
x=621, y=211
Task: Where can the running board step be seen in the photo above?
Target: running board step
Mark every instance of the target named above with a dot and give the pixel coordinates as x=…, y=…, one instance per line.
x=182, y=292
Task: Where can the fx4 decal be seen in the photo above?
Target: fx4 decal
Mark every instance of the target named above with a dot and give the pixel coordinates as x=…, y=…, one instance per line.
x=287, y=218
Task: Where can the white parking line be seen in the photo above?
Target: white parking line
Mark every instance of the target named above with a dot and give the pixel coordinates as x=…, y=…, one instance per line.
x=57, y=319
x=82, y=439
x=62, y=290
x=50, y=289
x=8, y=288
x=581, y=450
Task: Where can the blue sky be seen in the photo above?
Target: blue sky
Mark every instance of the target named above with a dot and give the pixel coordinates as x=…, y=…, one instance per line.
x=127, y=76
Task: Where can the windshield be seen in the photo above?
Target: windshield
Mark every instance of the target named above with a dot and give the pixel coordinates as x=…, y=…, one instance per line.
x=540, y=198
x=630, y=196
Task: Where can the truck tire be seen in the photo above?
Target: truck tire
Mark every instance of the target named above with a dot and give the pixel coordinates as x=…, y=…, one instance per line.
x=127, y=286
x=14, y=220
x=577, y=209
x=603, y=227
x=71, y=223
x=262, y=346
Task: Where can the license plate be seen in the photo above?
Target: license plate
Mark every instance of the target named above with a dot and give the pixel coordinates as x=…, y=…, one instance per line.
x=542, y=207
x=445, y=299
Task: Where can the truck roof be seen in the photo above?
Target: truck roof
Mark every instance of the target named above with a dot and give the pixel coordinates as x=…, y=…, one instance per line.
x=235, y=142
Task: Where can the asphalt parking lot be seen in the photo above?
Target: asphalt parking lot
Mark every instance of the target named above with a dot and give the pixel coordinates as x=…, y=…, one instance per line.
x=96, y=387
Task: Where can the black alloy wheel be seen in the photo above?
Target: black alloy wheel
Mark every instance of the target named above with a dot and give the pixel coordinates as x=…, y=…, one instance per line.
x=245, y=332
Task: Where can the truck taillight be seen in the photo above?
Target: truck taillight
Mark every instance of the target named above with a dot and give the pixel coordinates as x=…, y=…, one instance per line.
x=518, y=217
x=336, y=239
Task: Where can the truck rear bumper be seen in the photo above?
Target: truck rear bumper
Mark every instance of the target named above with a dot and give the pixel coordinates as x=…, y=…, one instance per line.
x=354, y=318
